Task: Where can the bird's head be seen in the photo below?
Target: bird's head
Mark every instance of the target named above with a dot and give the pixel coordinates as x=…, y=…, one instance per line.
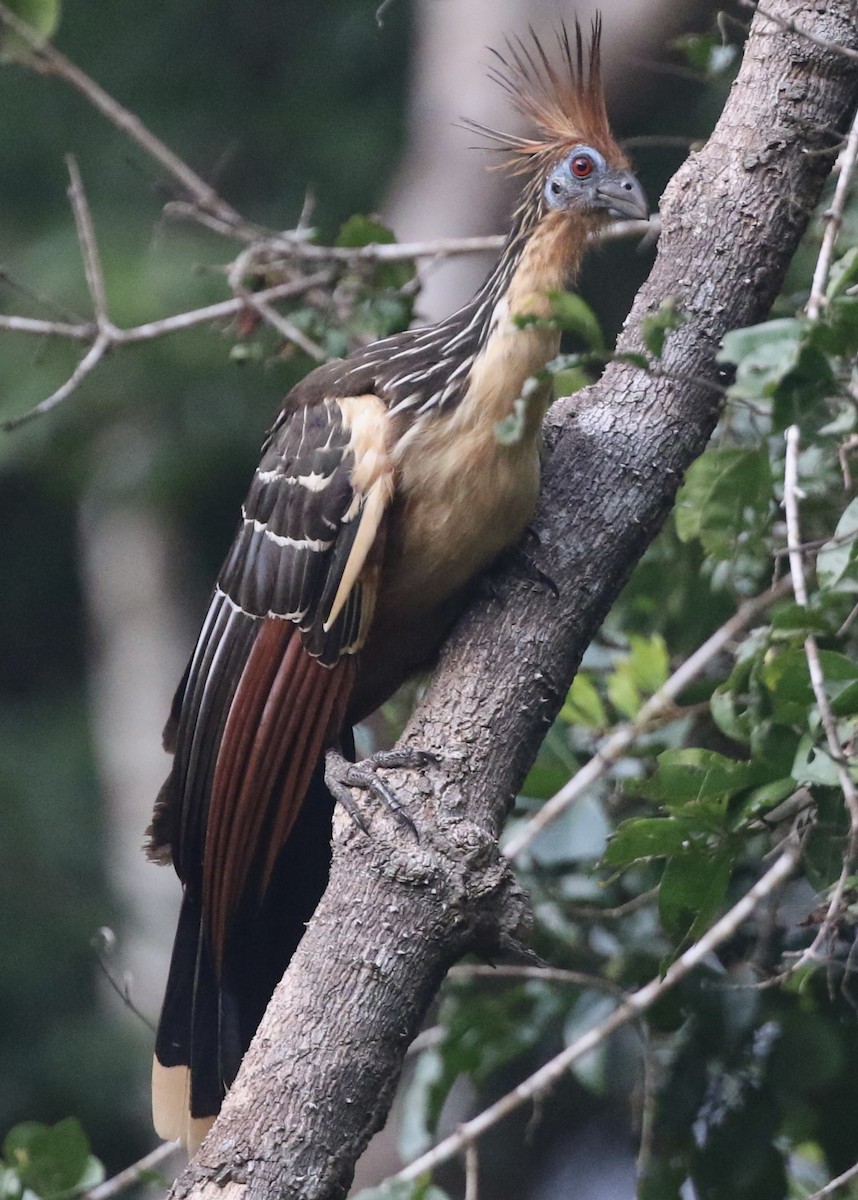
x=584, y=181
x=573, y=161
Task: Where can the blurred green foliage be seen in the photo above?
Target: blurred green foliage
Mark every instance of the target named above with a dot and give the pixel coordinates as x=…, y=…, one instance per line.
x=52, y=1162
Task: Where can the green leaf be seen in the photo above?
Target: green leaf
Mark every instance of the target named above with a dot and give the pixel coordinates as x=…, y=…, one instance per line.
x=545, y=779
x=729, y=703
x=843, y=273
x=696, y=48
x=360, y=231
x=838, y=556
x=692, y=889
x=719, y=487
x=797, y=619
x=53, y=1161
x=574, y=315
x=623, y=692
x=813, y=764
x=570, y=381
x=43, y=17
x=769, y=796
x=763, y=355
x=773, y=748
x=786, y=676
x=706, y=53
x=649, y=662
x=584, y=705
x=655, y=328
x=695, y=776
x=647, y=837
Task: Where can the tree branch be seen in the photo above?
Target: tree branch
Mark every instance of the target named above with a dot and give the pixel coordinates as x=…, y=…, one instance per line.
x=135, y=1174
x=110, y=336
x=833, y=222
x=792, y=493
x=319, y=1077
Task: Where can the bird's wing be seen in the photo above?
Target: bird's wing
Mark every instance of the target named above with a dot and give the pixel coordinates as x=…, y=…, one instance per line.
x=271, y=674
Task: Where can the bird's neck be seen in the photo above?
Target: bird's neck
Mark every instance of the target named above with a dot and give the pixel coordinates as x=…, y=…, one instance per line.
x=432, y=370
x=504, y=334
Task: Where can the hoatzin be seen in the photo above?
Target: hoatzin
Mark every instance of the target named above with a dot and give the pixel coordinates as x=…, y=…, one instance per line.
x=383, y=490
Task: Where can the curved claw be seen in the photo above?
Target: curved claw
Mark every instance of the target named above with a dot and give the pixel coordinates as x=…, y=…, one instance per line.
x=341, y=776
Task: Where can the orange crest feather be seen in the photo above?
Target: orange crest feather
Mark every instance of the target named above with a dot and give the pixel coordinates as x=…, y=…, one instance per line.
x=565, y=102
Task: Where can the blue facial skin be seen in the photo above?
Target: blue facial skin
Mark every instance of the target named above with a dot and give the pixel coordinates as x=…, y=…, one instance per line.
x=583, y=181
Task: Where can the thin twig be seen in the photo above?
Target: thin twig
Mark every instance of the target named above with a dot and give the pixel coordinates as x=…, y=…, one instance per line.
x=592, y=912
x=86, y=366
x=127, y=122
x=542, y=974
x=132, y=1175
x=791, y=27
x=103, y=944
x=290, y=249
x=834, y=221
x=219, y=311
x=83, y=332
x=654, y=709
x=237, y=273
x=111, y=336
x=472, y=1172
x=289, y=331
x=635, y=1004
x=792, y=494
x=648, y=1106
x=150, y=330
x=88, y=245
x=831, y=1188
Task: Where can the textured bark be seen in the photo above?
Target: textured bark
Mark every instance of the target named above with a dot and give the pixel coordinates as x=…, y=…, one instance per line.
x=319, y=1077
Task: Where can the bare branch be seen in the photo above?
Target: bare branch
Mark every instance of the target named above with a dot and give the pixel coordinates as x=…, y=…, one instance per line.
x=57, y=64
x=134, y=1174
x=238, y=270
x=656, y=708
x=85, y=367
x=578, y=979
x=286, y=328
x=111, y=336
x=834, y=221
x=60, y=329
x=472, y=1173
x=290, y=249
x=792, y=494
x=220, y=311
x=88, y=245
x=636, y=1004
x=839, y=1182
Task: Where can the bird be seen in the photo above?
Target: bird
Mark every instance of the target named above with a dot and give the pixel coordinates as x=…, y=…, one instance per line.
x=383, y=491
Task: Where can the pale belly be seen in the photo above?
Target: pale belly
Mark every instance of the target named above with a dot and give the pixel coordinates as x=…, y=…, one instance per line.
x=466, y=516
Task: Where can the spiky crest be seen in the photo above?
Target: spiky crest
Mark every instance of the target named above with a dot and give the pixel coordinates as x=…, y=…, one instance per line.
x=565, y=102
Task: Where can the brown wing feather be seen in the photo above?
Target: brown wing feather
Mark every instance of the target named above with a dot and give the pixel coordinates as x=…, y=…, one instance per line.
x=268, y=684
x=287, y=708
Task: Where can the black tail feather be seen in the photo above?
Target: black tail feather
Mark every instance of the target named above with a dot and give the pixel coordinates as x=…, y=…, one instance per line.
x=208, y=1019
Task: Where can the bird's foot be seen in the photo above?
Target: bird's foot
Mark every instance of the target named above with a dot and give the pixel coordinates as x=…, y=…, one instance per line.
x=341, y=776
x=530, y=543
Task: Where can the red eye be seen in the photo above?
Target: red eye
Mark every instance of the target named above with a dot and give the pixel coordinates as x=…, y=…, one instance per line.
x=581, y=166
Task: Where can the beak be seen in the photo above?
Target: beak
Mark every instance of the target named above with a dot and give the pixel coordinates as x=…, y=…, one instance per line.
x=623, y=196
